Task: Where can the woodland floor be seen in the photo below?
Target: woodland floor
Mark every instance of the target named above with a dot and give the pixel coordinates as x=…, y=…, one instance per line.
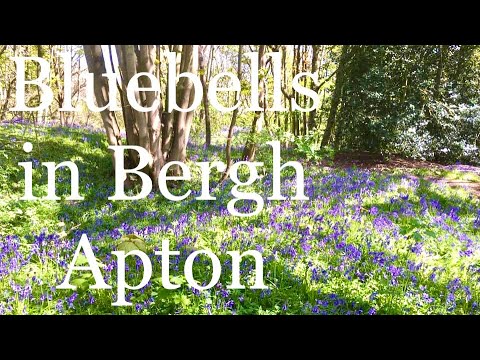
x=430, y=171
x=375, y=236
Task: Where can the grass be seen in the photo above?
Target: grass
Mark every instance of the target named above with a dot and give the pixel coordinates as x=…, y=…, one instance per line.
x=452, y=175
x=365, y=243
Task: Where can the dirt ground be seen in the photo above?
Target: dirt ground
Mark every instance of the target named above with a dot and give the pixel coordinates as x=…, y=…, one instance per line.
x=373, y=161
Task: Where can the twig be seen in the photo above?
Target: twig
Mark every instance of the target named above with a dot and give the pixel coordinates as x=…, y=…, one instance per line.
x=69, y=231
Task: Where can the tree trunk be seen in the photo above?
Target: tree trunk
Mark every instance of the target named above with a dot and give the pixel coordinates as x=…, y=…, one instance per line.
x=96, y=65
x=228, y=148
x=139, y=117
x=335, y=97
x=167, y=119
x=2, y=49
x=38, y=115
x=149, y=130
x=202, y=64
x=3, y=111
x=146, y=63
x=250, y=147
x=185, y=95
x=442, y=52
x=131, y=128
x=313, y=113
x=285, y=95
x=463, y=54
x=305, y=97
x=296, y=69
x=210, y=62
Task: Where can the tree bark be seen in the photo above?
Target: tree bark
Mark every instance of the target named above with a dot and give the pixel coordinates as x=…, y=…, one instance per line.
x=313, y=113
x=442, y=52
x=38, y=115
x=295, y=69
x=139, y=117
x=96, y=65
x=336, y=97
x=168, y=118
x=228, y=149
x=202, y=64
x=305, y=98
x=146, y=63
x=286, y=98
x=7, y=96
x=250, y=147
x=183, y=121
x=131, y=128
x=145, y=128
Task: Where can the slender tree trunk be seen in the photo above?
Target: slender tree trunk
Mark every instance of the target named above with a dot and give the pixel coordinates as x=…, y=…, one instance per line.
x=228, y=148
x=335, y=97
x=297, y=95
x=210, y=62
x=305, y=98
x=313, y=113
x=285, y=95
x=463, y=54
x=2, y=49
x=3, y=112
x=40, y=54
x=442, y=52
x=339, y=127
x=250, y=147
x=58, y=74
x=320, y=118
x=202, y=64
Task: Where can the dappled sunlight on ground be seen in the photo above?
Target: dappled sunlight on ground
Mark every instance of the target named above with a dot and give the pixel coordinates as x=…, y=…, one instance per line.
x=367, y=242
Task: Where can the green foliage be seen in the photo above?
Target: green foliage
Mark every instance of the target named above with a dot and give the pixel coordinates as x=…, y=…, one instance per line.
x=308, y=147
x=305, y=273
x=403, y=100
x=131, y=242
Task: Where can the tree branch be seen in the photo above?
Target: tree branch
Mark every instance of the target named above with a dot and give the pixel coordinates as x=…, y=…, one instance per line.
x=317, y=88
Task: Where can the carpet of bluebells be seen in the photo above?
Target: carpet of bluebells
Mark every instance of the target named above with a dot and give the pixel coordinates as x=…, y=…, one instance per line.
x=367, y=242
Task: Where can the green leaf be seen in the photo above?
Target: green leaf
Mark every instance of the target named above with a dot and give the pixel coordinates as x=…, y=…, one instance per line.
x=177, y=280
x=131, y=242
x=417, y=236
x=80, y=283
x=185, y=301
x=127, y=246
x=81, y=260
x=163, y=294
